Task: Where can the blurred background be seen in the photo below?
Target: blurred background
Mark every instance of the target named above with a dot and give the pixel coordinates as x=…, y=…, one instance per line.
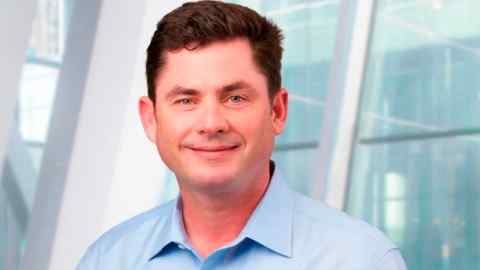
x=384, y=121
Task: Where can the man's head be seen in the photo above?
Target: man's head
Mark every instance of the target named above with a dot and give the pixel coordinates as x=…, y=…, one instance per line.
x=210, y=110
x=198, y=24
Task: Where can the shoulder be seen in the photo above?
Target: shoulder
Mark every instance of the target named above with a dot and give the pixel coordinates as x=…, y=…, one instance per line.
x=320, y=229
x=332, y=221
x=132, y=234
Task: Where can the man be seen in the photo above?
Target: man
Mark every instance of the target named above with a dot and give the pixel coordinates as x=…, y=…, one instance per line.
x=214, y=107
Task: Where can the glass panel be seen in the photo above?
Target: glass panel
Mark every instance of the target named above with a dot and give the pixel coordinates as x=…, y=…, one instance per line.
x=30, y=127
x=415, y=165
x=309, y=28
x=3, y=229
x=296, y=167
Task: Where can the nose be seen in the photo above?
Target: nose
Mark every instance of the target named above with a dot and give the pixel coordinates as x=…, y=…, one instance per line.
x=212, y=120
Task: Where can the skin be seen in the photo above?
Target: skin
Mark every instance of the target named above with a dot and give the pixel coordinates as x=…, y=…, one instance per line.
x=214, y=125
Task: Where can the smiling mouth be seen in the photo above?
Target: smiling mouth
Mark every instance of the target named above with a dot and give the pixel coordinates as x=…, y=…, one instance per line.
x=213, y=152
x=213, y=149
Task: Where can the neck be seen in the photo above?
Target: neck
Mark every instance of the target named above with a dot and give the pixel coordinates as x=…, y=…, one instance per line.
x=213, y=221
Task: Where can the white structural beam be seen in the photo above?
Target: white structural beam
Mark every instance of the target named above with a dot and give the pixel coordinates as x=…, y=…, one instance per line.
x=58, y=151
x=16, y=17
x=98, y=167
x=18, y=175
x=343, y=100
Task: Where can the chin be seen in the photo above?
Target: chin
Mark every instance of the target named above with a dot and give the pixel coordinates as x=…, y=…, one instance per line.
x=213, y=180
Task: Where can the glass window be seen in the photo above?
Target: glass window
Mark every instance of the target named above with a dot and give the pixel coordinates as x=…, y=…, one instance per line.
x=309, y=28
x=415, y=165
x=30, y=127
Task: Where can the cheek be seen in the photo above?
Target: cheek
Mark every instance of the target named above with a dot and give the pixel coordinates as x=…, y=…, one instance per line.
x=170, y=130
x=257, y=127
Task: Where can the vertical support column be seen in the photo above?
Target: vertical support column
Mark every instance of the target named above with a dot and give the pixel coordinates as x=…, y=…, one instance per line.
x=16, y=17
x=59, y=148
x=342, y=103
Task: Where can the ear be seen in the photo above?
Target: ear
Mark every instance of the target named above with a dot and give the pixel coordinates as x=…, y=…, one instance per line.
x=146, y=109
x=279, y=110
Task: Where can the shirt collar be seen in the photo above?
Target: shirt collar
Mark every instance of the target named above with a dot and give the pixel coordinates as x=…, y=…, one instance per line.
x=169, y=232
x=270, y=224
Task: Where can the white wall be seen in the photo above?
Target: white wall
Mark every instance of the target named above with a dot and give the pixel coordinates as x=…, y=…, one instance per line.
x=138, y=169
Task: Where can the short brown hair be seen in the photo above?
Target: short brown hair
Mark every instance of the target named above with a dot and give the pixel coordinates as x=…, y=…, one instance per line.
x=197, y=24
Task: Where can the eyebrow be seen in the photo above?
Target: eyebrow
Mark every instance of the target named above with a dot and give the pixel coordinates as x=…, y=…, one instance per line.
x=235, y=86
x=179, y=90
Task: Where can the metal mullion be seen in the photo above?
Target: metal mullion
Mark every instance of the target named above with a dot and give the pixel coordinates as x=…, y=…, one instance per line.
x=343, y=100
x=296, y=146
x=56, y=64
x=420, y=136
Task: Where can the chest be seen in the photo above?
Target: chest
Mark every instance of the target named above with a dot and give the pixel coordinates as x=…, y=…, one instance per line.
x=237, y=259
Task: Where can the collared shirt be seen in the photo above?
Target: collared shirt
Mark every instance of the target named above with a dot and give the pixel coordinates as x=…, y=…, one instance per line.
x=286, y=231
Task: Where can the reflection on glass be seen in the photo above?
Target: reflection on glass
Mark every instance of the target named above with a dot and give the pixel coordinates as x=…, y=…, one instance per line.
x=30, y=126
x=309, y=28
x=415, y=166
x=295, y=167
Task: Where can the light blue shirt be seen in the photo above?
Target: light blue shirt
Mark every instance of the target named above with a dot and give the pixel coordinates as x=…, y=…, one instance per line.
x=286, y=231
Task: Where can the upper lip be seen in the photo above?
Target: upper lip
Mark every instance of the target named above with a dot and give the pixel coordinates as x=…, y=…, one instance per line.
x=212, y=148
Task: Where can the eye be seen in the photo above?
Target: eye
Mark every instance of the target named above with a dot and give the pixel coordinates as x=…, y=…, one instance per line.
x=184, y=101
x=236, y=99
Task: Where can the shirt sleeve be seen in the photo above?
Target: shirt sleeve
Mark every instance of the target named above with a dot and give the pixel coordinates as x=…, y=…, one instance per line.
x=392, y=260
x=89, y=261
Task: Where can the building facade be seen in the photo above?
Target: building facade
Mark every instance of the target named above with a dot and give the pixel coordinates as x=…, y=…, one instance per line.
x=383, y=121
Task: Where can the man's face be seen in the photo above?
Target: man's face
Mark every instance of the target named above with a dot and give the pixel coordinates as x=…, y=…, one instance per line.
x=213, y=122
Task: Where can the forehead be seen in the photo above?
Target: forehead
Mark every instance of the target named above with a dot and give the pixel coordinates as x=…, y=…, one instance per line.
x=210, y=67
